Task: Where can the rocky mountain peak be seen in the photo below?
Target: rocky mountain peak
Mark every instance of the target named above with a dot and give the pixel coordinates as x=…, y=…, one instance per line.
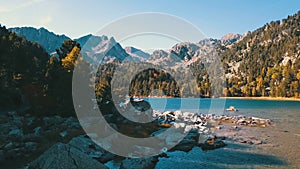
x=231, y=38
x=137, y=54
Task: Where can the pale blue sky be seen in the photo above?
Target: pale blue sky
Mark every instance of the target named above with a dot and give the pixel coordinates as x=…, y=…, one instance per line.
x=214, y=18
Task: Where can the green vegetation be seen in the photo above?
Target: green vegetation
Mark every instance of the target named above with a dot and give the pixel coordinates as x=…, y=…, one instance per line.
x=23, y=65
x=262, y=69
x=30, y=77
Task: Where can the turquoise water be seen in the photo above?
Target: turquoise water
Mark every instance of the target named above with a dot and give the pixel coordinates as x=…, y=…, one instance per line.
x=205, y=105
x=278, y=111
x=285, y=120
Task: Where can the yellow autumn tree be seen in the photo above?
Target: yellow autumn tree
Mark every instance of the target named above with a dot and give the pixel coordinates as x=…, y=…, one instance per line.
x=298, y=75
x=70, y=60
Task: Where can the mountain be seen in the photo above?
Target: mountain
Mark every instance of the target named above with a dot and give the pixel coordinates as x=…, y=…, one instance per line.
x=230, y=38
x=165, y=58
x=266, y=61
x=188, y=52
x=137, y=55
x=109, y=50
x=94, y=47
x=101, y=49
x=49, y=40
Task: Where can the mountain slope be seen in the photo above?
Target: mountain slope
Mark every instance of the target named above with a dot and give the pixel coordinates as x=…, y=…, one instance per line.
x=101, y=49
x=137, y=54
x=47, y=39
x=266, y=61
x=189, y=52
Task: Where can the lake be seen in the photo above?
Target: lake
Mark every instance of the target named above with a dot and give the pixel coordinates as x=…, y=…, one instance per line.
x=282, y=138
x=277, y=111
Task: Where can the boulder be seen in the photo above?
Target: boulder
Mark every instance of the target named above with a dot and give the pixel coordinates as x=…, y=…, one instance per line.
x=93, y=150
x=173, y=139
x=61, y=156
x=189, y=141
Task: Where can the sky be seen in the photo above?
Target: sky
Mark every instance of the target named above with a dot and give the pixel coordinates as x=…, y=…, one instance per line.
x=214, y=18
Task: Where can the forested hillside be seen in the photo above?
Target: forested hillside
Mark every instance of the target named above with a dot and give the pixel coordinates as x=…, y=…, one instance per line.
x=23, y=64
x=266, y=62
x=29, y=77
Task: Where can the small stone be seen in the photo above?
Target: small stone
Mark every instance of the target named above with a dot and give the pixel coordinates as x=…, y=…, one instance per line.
x=257, y=142
x=8, y=146
x=63, y=133
x=16, y=132
x=37, y=131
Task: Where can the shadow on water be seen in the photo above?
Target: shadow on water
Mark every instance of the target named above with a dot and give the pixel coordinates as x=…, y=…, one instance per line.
x=233, y=146
x=246, y=158
x=233, y=156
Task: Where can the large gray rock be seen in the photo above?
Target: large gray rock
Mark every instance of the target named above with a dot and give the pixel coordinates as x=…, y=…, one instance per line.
x=93, y=150
x=62, y=156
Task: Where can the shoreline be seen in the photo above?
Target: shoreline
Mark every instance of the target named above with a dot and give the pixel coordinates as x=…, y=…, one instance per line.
x=264, y=98
x=239, y=98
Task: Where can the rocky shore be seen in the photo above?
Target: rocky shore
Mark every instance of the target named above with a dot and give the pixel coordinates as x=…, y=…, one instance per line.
x=24, y=136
